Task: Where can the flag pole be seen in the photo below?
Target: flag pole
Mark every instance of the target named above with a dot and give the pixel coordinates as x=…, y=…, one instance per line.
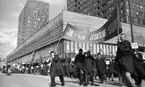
x=132, y=38
x=57, y=45
x=118, y=18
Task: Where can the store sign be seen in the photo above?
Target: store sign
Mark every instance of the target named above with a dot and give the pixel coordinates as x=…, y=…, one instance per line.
x=134, y=45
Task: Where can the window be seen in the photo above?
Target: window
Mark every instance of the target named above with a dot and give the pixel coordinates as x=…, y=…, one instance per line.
x=84, y=47
x=139, y=21
x=127, y=18
x=80, y=45
x=38, y=19
x=132, y=19
x=35, y=26
x=76, y=47
x=122, y=12
x=67, y=46
x=143, y=22
x=72, y=46
x=28, y=21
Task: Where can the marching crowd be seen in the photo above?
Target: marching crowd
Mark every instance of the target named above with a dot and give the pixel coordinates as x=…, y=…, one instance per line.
x=128, y=64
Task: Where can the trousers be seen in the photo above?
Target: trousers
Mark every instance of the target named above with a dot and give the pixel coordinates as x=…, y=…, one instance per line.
x=61, y=79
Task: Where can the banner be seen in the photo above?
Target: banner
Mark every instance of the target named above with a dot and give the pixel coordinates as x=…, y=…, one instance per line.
x=109, y=30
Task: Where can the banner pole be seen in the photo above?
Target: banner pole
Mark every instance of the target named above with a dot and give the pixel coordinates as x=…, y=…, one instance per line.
x=132, y=38
x=118, y=18
x=57, y=45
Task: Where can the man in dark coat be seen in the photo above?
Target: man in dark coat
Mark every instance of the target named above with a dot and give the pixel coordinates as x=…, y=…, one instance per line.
x=56, y=69
x=101, y=67
x=125, y=59
x=139, y=68
x=79, y=63
x=89, y=68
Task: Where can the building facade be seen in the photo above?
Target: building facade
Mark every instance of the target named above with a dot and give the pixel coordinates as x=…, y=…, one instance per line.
x=104, y=8
x=33, y=17
x=46, y=40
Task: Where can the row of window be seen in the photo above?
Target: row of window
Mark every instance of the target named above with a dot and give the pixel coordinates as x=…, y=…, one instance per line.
x=136, y=20
x=106, y=49
x=138, y=1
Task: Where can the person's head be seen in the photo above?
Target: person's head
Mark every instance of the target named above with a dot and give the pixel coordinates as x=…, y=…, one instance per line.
x=85, y=53
x=99, y=55
x=123, y=37
x=89, y=52
x=52, y=53
x=80, y=51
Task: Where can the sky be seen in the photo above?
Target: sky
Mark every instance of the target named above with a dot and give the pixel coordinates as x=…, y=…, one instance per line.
x=9, y=12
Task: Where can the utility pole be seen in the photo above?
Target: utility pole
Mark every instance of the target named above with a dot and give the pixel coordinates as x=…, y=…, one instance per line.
x=132, y=38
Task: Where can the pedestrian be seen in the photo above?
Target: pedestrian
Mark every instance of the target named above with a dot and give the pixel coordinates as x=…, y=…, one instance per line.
x=89, y=68
x=111, y=69
x=101, y=67
x=72, y=69
x=56, y=69
x=125, y=59
x=140, y=72
x=79, y=63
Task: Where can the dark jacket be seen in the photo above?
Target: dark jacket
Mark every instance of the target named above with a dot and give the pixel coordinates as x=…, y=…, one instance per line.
x=79, y=60
x=89, y=64
x=125, y=56
x=139, y=57
x=124, y=48
x=56, y=68
x=101, y=65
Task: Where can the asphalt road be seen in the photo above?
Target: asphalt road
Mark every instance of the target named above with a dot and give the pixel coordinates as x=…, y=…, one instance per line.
x=25, y=80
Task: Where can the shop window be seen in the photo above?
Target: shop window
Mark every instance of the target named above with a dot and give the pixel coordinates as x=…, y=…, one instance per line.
x=87, y=46
x=67, y=46
x=72, y=46
x=94, y=47
x=76, y=47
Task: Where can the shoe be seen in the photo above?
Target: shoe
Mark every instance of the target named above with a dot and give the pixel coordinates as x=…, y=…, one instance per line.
x=101, y=82
x=52, y=85
x=92, y=83
x=85, y=84
x=62, y=84
x=80, y=83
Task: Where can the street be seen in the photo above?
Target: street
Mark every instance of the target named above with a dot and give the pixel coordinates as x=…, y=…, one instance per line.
x=26, y=80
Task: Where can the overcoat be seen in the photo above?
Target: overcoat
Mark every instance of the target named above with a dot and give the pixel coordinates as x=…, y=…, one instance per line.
x=79, y=61
x=56, y=68
x=79, y=64
x=101, y=65
x=89, y=64
x=125, y=56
